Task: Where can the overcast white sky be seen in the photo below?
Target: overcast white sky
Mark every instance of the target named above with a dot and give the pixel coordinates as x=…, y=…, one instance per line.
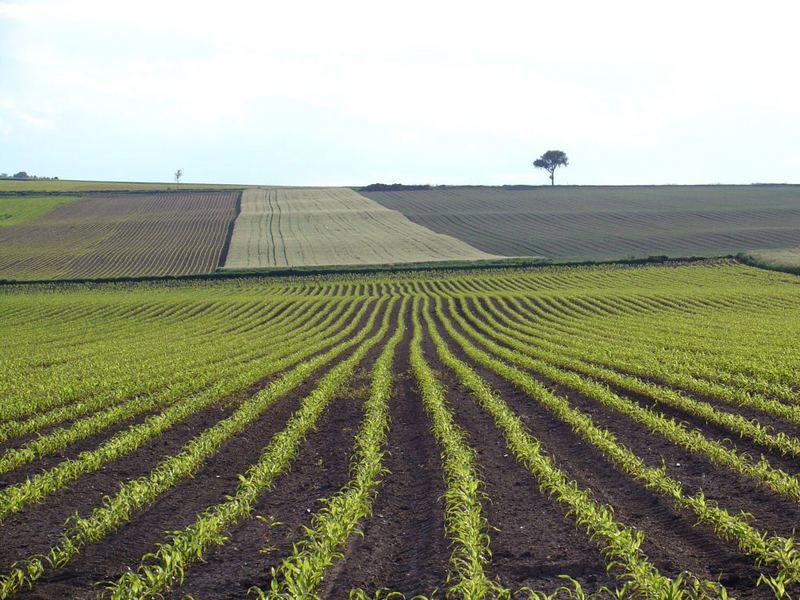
x=352, y=93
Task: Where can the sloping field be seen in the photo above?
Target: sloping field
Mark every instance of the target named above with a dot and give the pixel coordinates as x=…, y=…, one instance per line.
x=19, y=209
x=602, y=223
x=331, y=226
x=481, y=434
x=121, y=235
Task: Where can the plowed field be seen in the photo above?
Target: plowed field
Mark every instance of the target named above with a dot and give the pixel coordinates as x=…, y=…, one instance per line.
x=607, y=223
x=124, y=235
x=471, y=435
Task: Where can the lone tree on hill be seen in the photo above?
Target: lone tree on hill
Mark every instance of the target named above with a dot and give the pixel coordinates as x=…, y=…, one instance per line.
x=178, y=175
x=550, y=161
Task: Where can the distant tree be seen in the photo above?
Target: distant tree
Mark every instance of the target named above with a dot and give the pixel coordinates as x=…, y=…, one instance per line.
x=178, y=175
x=3, y=175
x=550, y=161
x=21, y=175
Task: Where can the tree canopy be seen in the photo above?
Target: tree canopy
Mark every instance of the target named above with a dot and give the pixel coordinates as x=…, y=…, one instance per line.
x=550, y=161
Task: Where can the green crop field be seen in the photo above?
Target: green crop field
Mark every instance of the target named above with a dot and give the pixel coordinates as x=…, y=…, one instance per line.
x=120, y=235
x=332, y=226
x=554, y=432
x=607, y=223
x=19, y=209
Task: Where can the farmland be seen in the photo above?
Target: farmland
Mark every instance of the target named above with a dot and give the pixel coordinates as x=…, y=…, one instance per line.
x=120, y=235
x=98, y=230
x=486, y=432
x=607, y=223
x=331, y=226
x=16, y=210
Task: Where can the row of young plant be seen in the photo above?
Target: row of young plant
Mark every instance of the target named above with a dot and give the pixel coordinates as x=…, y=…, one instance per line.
x=299, y=574
x=136, y=494
x=778, y=552
x=107, y=396
x=591, y=279
x=165, y=567
x=654, y=365
x=115, y=366
x=763, y=338
x=619, y=544
x=228, y=366
x=554, y=323
x=465, y=523
x=576, y=301
x=62, y=366
x=605, y=319
x=156, y=347
x=217, y=355
x=682, y=345
x=15, y=497
x=550, y=356
x=748, y=307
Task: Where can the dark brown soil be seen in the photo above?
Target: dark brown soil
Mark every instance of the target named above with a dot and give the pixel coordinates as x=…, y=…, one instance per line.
x=403, y=547
x=532, y=541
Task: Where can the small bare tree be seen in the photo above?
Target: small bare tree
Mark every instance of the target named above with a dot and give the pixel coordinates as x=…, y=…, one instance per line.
x=178, y=175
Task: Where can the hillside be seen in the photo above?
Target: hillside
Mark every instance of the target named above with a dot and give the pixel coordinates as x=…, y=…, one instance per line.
x=332, y=226
x=74, y=230
x=120, y=235
x=607, y=223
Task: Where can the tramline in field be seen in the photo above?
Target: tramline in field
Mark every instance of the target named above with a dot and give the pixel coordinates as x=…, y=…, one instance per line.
x=522, y=433
x=331, y=226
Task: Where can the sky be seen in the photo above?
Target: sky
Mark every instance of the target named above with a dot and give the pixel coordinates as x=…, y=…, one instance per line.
x=438, y=92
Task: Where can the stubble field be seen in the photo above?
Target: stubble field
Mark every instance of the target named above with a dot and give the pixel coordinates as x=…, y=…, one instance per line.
x=486, y=432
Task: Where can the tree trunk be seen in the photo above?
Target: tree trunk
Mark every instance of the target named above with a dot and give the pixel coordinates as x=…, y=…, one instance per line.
x=552, y=178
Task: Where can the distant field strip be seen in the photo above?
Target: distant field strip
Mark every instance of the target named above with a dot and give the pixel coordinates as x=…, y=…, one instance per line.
x=331, y=226
x=120, y=235
x=68, y=185
x=602, y=223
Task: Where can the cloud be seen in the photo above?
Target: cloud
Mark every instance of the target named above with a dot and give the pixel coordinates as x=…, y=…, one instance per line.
x=33, y=120
x=448, y=75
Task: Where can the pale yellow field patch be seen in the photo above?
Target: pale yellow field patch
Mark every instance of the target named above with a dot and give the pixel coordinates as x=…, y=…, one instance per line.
x=288, y=227
x=781, y=257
